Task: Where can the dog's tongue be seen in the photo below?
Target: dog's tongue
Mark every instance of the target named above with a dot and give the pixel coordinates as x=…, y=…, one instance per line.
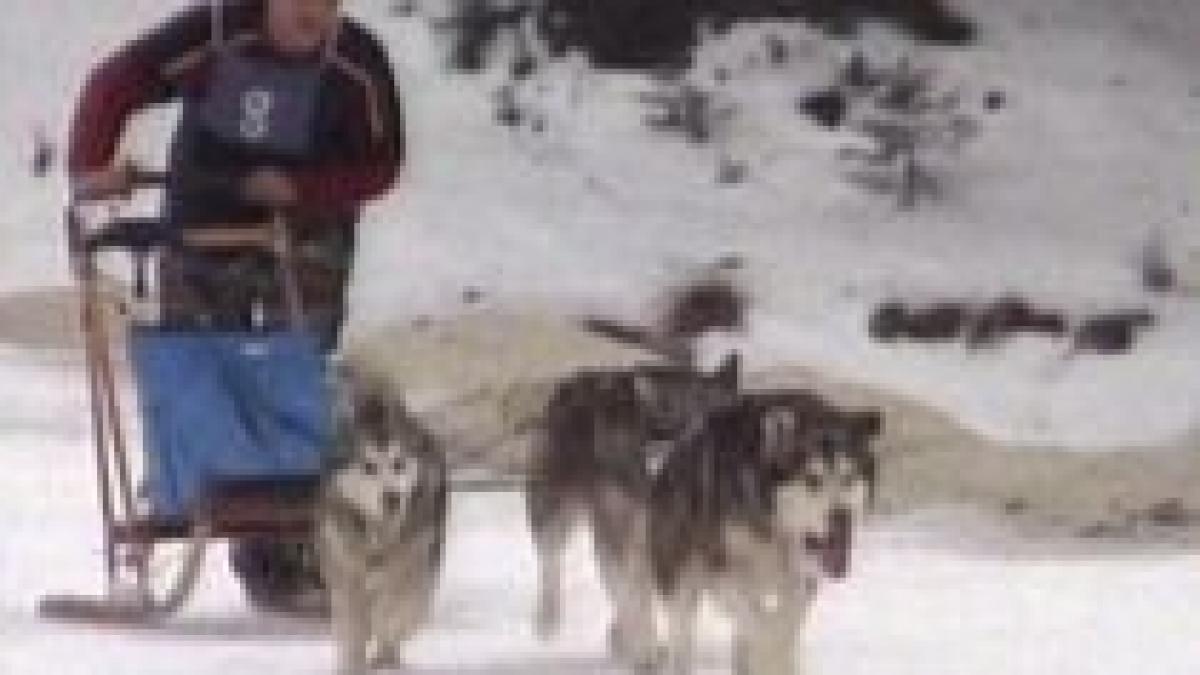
x=835, y=550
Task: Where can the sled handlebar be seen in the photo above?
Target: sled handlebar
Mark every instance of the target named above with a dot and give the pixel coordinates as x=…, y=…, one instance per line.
x=137, y=179
x=141, y=235
x=144, y=233
x=143, y=179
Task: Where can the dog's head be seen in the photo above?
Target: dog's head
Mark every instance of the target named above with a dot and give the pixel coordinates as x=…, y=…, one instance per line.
x=821, y=468
x=383, y=453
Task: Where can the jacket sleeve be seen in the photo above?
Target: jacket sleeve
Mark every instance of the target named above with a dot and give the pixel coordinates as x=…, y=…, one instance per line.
x=134, y=77
x=372, y=148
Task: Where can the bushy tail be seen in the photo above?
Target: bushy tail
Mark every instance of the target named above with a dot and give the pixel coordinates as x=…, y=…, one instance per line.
x=713, y=302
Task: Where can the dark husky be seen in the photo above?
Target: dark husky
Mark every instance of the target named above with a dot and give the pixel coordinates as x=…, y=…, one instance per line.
x=601, y=442
x=755, y=506
x=381, y=523
x=596, y=456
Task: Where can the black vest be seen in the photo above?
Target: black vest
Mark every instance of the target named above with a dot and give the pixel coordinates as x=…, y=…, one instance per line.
x=254, y=111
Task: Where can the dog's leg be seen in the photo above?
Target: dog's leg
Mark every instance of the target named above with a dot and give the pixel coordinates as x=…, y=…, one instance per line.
x=765, y=632
x=681, y=608
x=400, y=614
x=348, y=603
x=633, y=636
x=389, y=621
x=620, y=540
x=549, y=526
x=395, y=624
x=351, y=625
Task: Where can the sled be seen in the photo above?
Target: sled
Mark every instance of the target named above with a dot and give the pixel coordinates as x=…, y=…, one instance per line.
x=158, y=521
x=234, y=424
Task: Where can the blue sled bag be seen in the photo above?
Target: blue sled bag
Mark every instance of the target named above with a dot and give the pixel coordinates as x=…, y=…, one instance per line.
x=227, y=406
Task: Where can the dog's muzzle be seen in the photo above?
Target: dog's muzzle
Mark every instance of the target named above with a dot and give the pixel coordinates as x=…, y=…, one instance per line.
x=833, y=549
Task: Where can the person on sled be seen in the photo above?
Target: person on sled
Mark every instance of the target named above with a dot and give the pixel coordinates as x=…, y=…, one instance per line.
x=286, y=107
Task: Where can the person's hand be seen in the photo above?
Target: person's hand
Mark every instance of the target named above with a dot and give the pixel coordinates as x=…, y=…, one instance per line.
x=269, y=187
x=112, y=182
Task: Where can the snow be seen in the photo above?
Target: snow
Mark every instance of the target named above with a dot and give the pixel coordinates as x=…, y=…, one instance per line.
x=924, y=597
x=1054, y=200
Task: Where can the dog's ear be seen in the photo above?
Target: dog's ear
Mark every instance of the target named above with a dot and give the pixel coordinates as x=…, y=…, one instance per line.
x=868, y=423
x=729, y=374
x=374, y=412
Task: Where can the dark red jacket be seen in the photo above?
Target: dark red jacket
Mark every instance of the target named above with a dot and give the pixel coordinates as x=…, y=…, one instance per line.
x=360, y=143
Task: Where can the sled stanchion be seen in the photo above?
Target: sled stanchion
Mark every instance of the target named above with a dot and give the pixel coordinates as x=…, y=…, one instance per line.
x=283, y=250
x=112, y=410
x=109, y=429
x=82, y=273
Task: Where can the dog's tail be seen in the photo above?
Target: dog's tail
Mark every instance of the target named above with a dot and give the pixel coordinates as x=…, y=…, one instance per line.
x=713, y=302
x=637, y=336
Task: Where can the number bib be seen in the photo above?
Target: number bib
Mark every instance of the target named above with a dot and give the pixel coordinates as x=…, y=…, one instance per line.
x=259, y=104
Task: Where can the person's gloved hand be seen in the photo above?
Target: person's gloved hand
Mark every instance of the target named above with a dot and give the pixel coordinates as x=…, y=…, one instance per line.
x=269, y=187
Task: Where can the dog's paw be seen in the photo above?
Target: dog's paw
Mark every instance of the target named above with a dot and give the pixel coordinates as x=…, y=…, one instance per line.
x=618, y=642
x=353, y=662
x=385, y=658
x=390, y=662
x=647, y=668
x=547, y=618
x=649, y=664
x=645, y=658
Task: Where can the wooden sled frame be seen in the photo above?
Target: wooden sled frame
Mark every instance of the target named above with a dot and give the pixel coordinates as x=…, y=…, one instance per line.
x=137, y=592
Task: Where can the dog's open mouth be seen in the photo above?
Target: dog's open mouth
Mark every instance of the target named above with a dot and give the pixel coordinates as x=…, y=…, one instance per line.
x=833, y=549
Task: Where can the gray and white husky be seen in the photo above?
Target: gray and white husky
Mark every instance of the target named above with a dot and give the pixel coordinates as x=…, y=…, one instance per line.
x=381, y=523
x=754, y=508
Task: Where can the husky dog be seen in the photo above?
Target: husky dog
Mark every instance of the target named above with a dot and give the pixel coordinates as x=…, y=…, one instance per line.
x=597, y=452
x=380, y=525
x=755, y=506
x=600, y=443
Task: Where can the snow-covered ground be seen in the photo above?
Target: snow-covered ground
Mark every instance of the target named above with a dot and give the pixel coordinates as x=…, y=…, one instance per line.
x=917, y=602
x=1097, y=148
